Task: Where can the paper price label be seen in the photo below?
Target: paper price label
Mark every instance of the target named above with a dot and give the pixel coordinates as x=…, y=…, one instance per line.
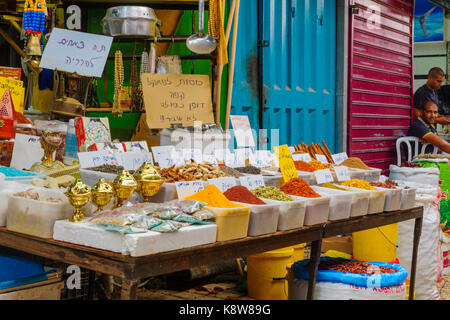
x=94, y=158
x=223, y=183
x=301, y=157
x=321, y=158
x=134, y=160
x=188, y=188
x=163, y=155
x=210, y=158
x=323, y=176
x=286, y=163
x=222, y=154
x=342, y=173
x=339, y=158
x=261, y=158
x=291, y=150
x=252, y=181
x=192, y=154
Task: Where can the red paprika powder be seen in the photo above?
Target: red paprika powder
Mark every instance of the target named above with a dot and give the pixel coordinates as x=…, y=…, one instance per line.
x=242, y=194
x=299, y=187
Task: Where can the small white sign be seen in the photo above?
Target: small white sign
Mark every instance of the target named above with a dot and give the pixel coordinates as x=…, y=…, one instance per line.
x=323, y=176
x=192, y=154
x=210, y=158
x=382, y=179
x=342, y=173
x=165, y=156
x=242, y=154
x=222, y=154
x=94, y=158
x=321, y=158
x=76, y=52
x=242, y=131
x=26, y=152
x=188, y=188
x=134, y=160
x=252, y=181
x=301, y=157
x=339, y=158
x=292, y=150
x=260, y=158
x=223, y=183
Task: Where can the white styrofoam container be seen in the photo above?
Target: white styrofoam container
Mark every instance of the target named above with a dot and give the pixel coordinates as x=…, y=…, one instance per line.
x=292, y=213
x=317, y=210
x=263, y=218
x=373, y=175
x=408, y=198
x=273, y=181
x=377, y=199
x=340, y=203
x=360, y=202
x=36, y=217
x=393, y=199
x=7, y=188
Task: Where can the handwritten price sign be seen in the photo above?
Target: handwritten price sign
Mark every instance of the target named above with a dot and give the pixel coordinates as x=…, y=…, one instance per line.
x=301, y=157
x=340, y=157
x=286, y=162
x=188, y=188
x=223, y=184
x=94, y=158
x=79, y=52
x=134, y=160
x=321, y=158
x=342, y=173
x=323, y=176
x=252, y=181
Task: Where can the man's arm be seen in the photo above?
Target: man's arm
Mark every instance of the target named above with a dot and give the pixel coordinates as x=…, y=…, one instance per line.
x=437, y=141
x=442, y=120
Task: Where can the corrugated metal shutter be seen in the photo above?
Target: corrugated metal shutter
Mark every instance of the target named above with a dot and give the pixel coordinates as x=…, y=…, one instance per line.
x=380, y=78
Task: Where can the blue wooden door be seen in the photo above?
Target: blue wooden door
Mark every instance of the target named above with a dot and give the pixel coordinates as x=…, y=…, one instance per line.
x=299, y=70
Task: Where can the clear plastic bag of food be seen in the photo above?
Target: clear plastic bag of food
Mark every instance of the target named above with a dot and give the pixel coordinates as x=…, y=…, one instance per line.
x=203, y=215
x=168, y=226
x=188, y=206
x=115, y=217
x=147, y=222
x=167, y=214
x=189, y=219
x=122, y=229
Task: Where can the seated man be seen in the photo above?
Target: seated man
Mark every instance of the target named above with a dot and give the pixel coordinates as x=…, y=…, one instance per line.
x=424, y=128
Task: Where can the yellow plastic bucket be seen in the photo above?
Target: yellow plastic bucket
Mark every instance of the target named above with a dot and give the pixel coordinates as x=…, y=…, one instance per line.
x=299, y=252
x=378, y=244
x=266, y=274
x=407, y=281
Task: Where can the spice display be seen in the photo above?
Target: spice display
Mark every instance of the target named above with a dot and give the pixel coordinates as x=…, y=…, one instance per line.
x=213, y=198
x=299, y=187
x=249, y=170
x=303, y=166
x=242, y=194
x=382, y=185
x=355, y=163
x=317, y=165
x=274, y=169
x=191, y=172
x=332, y=186
x=342, y=265
x=408, y=164
x=357, y=183
x=108, y=168
x=272, y=193
x=34, y=195
x=391, y=182
x=231, y=172
x=313, y=149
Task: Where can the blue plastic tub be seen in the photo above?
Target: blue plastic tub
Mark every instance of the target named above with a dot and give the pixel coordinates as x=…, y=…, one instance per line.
x=15, y=271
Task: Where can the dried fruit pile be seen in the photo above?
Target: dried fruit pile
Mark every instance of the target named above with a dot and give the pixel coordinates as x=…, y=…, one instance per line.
x=342, y=265
x=191, y=172
x=408, y=164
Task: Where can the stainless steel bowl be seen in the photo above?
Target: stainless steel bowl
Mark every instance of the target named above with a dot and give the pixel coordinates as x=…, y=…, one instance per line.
x=131, y=21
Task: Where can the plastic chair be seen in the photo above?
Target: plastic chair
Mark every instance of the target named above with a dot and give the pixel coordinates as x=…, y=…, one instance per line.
x=407, y=141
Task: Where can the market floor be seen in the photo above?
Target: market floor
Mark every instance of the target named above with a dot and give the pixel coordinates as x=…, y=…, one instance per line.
x=229, y=291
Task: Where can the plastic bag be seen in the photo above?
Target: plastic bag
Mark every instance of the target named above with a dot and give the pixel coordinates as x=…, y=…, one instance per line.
x=147, y=222
x=168, y=226
x=203, y=215
x=122, y=229
x=189, y=219
x=188, y=206
x=115, y=217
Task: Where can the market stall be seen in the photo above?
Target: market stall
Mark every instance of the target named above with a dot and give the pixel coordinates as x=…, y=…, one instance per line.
x=178, y=194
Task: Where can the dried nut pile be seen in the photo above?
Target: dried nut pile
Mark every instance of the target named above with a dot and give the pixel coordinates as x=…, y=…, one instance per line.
x=353, y=267
x=191, y=172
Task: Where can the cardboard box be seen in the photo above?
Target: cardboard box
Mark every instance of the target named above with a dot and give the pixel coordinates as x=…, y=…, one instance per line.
x=90, y=131
x=342, y=244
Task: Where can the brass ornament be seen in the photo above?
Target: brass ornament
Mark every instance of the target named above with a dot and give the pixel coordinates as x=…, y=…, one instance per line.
x=124, y=186
x=101, y=194
x=148, y=181
x=78, y=194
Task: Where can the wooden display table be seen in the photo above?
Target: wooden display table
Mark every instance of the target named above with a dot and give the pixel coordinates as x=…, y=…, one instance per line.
x=133, y=269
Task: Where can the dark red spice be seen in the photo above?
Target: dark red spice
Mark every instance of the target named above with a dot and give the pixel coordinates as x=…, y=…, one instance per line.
x=242, y=194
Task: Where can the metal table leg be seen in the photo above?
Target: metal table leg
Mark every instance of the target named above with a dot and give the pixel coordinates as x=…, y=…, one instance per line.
x=316, y=247
x=417, y=233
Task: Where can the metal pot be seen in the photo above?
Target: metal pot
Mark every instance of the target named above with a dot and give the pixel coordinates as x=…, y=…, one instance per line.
x=131, y=21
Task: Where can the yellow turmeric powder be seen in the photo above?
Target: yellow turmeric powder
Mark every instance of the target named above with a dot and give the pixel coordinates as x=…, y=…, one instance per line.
x=332, y=186
x=357, y=183
x=213, y=197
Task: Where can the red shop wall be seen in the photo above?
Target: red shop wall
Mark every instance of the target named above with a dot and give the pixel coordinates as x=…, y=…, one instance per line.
x=380, y=78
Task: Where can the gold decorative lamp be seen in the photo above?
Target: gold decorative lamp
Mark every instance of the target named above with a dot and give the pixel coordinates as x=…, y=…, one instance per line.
x=50, y=142
x=148, y=181
x=124, y=185
x=102, y=193
x=79, y=195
